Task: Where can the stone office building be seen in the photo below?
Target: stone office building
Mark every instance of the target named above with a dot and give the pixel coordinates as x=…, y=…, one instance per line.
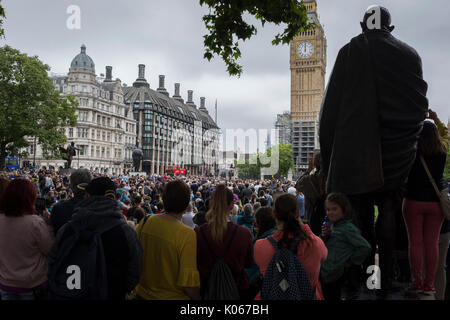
x=171, y=131
x=106, y=130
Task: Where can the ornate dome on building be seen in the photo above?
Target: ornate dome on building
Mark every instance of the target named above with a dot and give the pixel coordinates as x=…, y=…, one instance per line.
x=82, y=60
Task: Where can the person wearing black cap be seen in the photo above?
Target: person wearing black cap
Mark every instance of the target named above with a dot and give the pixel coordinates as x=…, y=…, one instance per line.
x=371, y=114
x=62, y=211
x=121, y=248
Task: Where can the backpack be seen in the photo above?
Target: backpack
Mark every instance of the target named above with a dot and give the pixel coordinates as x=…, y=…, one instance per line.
x=221, y=284
x=286, y=278
x=77, y=270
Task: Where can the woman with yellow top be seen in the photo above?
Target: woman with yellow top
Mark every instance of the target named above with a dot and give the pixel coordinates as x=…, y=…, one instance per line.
x=170, y=250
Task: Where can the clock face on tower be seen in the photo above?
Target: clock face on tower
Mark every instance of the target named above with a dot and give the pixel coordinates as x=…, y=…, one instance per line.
x=305, y=49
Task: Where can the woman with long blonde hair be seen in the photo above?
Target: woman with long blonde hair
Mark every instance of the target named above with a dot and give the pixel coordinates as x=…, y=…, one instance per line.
x=221, y=238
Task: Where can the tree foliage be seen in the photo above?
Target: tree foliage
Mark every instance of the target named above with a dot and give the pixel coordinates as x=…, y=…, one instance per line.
x=2, y=19
x=251, y=169
x=226, y=25
x=30, y=106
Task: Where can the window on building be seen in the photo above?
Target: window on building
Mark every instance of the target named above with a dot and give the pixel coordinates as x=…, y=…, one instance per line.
x=97, y=151
x=148, y=115
x=103, y=135
x=83, y=115
x=92, y=151
x=103, y=152
x=70, y=132
x=83, y=149
x=83, y=89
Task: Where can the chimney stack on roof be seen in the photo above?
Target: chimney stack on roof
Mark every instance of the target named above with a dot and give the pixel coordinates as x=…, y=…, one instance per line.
x=202, y=105
x=190, y=100
x=161, y=88
x=202, y=102
x=141, y=74
x=177, y=96
x=108, y=74
x=141, y=81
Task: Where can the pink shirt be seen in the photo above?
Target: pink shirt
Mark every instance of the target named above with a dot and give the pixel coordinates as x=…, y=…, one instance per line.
x=24, y=245
x=311, y=253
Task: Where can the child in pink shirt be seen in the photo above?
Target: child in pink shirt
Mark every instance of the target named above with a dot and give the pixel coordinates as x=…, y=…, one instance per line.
x=311, y=250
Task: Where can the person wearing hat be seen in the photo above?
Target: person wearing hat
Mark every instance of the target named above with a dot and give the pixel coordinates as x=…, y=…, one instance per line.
x=62, y=211
x=121, y=247
x=371, y=115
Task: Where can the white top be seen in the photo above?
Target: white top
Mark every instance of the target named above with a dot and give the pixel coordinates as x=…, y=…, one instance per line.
x=292, y=190
x=187, y=219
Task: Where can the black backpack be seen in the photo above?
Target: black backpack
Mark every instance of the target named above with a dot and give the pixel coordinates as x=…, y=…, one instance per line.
x=221, y=284
x=77, y=269
x=285, y=277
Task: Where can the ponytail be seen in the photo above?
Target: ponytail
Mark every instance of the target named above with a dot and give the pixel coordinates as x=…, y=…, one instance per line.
x=287, y=211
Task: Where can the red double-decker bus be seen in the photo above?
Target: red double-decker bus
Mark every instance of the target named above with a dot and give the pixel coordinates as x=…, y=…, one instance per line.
x=173, y=170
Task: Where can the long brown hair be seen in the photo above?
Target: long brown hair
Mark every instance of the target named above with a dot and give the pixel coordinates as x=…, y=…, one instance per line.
x=218, y=214
x=287, y=211
x=430, y=141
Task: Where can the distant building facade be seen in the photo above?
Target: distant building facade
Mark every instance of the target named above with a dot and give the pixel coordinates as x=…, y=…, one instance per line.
x=106, y=130
x=170, y=131
x=305, y=142
x=284, y=126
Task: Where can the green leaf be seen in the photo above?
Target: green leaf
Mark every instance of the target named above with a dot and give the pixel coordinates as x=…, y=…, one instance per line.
x=225, y=23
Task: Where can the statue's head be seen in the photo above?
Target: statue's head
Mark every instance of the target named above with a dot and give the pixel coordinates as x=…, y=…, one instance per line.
x=377, y=18
x=72, y=143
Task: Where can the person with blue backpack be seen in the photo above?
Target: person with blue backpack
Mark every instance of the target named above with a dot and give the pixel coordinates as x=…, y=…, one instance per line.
x=290, y=258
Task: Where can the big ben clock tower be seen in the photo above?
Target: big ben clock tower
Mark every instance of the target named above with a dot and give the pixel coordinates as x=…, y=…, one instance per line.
x=308, y=64
x=308, y=58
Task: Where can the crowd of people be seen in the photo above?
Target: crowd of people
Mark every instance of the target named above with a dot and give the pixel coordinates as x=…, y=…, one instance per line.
x=162, y=237
x=374, y=189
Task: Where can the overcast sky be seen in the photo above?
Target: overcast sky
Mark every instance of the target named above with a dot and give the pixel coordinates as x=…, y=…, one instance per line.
x=167, y=36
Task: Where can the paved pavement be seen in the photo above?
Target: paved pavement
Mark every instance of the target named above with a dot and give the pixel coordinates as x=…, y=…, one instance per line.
x=399, y=294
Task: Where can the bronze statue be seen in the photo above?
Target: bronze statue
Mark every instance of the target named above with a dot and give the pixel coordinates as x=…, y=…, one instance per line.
x=137, y=155
x=68, y=153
